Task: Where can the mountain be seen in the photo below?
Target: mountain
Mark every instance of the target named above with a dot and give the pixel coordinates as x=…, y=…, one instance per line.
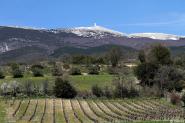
x=157, y=36
x=20, y=42
x=128, y=51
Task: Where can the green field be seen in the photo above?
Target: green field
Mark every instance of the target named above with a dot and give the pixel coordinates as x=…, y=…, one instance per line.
x=80, y=82
x=86, y=82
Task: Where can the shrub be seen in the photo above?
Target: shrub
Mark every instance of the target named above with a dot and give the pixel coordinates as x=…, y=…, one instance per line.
x=85, y=94
x=133, y=93
x=75, y=71
x=183, y=98
x=4, y=89
x=28, y=88
x=174, y=98
x=63, y=89
x=66, y=66
x=120, y=91
x=2, y=76
x=37, y=66
x=115, y=55
x=37, y=72
x=107, y=92
x=94, y=70
x=57, y=71
x=17, y=73
x=97, y=91
x=112, y=70
x=45, y=87
x=15, y=88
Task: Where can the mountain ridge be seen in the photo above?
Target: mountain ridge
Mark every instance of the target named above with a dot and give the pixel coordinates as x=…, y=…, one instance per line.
x=49, y=40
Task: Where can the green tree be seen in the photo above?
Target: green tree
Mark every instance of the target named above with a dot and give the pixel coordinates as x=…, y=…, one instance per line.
x=57, y=71
x=93, y=70
x=2, y=76
x=63, y=89
x=170, y=78
x=141, y=56
x=75, y=71
x=159, y=55
x=37, y=72
x=45, y=87
x=115, y=56
x=120, y=91
x=145, y=72
x=17, y=73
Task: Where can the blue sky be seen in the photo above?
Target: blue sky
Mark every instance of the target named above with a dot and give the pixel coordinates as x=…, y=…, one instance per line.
x=129, y=16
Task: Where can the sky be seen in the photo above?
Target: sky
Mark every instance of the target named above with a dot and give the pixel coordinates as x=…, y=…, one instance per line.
x=128, y=16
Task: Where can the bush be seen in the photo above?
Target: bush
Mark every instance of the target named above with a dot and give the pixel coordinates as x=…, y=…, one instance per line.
x=175, y=99
x=28, y=88
x=45, y=87
x=66, y=66
x=2, y=76
x=94, y=70
x=17, y=73
x=85, y=94
x=120, y=91
x=112, y=70
x=37, y=72
x=97, y=91
x=37, y=66
x=75, y=71
x=63, y=89
x=107, y=92
x=183, y=98
x=133, y=93
x=57, y=71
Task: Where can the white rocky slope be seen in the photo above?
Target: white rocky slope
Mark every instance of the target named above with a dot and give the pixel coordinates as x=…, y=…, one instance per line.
x=157, y=36
x=95, y=31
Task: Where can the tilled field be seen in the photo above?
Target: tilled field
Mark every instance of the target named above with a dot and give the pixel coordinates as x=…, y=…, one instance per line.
x=90, y=111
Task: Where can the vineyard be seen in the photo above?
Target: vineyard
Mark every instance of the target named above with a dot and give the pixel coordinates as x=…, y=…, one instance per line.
x=90, y=111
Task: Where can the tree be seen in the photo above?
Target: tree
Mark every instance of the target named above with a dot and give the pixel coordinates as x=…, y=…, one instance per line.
x=14, y=66
x=63, y=89
x=120, y=91
x=4, y=88
x=146, y=72
x=2, y=76
x=45, y=87
x=28, y=88
x=97, y=91
x=15, y=88
x=75, y=71
x=141, y=56
x=37, y=72
x=93, y=69
x=170, y=78
x=115, y=56
x=107, y=92
x=159, y=55
x=17, y=73
x=57, y=71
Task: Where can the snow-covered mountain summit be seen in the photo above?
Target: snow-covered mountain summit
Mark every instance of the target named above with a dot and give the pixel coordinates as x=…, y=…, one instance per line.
x=95, y=31
x=156, y=36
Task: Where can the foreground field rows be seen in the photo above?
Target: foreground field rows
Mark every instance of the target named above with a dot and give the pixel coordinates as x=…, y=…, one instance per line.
x=90, y=111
